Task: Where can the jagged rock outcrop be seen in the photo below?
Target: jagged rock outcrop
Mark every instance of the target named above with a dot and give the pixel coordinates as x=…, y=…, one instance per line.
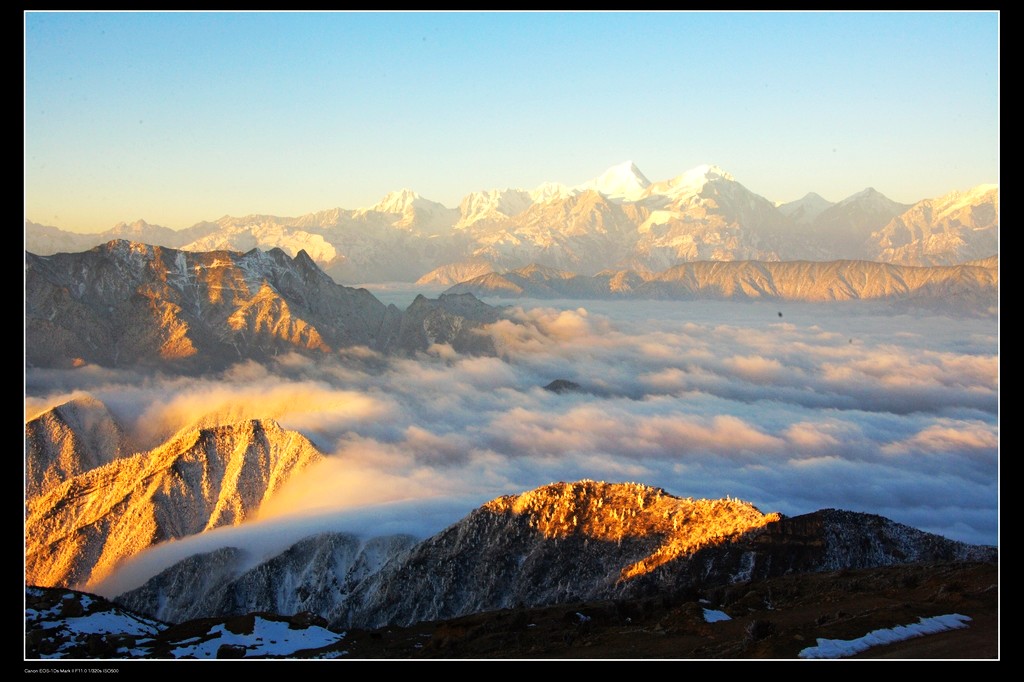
x=126, y=303
x=68, y=440
x=77, y=530
x=449, y=319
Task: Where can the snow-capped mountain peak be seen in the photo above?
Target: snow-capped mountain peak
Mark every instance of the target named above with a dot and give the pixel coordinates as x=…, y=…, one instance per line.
x=493, y=204
x=690, y=183
x=548, y=191
x=419, y=214
x=398, y=201
x=706, y=172
x=701, y=214
x=955, y=201
x=623, y=182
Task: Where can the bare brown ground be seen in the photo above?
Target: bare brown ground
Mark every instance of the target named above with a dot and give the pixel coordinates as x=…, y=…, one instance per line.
x=774, y=619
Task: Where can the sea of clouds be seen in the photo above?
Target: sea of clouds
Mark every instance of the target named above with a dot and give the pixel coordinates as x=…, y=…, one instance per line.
x=793, y=407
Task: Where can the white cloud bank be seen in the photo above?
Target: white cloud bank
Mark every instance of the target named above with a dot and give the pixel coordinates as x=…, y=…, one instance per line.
x=848, y=406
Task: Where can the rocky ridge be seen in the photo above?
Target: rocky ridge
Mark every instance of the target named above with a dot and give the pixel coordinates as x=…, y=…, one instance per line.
x=965, y=286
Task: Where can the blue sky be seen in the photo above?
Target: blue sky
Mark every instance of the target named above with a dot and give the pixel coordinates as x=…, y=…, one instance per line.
x=183, y=117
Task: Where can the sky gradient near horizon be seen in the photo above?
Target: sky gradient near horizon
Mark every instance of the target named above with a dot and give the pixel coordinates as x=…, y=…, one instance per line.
x=177, y=118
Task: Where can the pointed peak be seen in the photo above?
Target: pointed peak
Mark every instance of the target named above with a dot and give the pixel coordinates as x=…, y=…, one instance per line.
x=303, y=258
x=811, y=199
x=623, y=181
x=627, y=170
x=867, y=194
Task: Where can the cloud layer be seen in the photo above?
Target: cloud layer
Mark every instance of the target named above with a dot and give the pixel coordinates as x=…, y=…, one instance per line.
x=847, y=406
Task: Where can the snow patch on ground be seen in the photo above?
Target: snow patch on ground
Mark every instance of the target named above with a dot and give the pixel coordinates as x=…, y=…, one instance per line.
x=111, y=622
x=837, y=648
x=268, y=638
x=713, y=616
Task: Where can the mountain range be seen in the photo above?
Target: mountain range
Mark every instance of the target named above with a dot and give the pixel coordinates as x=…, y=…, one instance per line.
x=132, y=304
x=260, y=288
x=967, y=287
x=129, y=304
x=619, y=220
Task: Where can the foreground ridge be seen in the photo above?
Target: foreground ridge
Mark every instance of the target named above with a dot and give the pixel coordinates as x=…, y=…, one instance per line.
x=558, y=543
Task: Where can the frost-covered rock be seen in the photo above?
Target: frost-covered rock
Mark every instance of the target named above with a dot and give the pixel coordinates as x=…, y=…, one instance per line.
x=314, y=575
